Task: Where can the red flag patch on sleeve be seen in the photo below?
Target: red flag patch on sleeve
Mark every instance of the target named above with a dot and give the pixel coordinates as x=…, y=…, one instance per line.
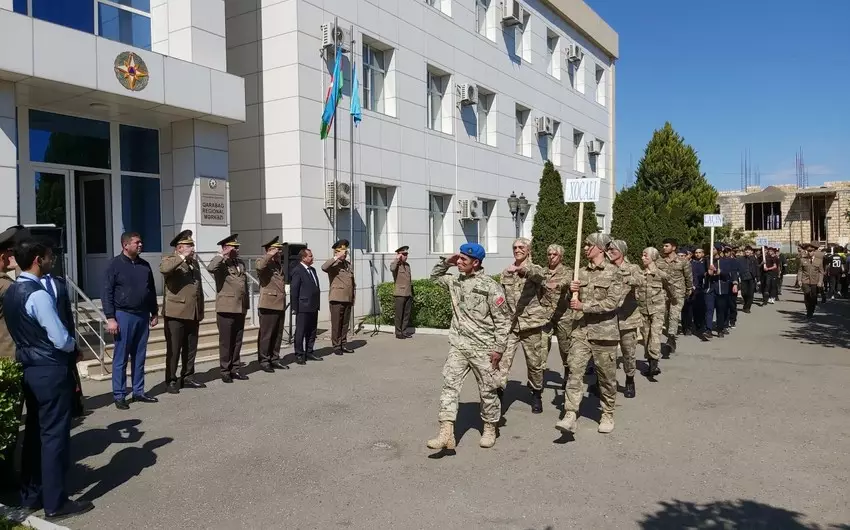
x=499, y=300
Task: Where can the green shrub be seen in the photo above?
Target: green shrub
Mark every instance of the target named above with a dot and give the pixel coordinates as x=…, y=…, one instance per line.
x=792, y=263
x=11, y=377
x=432, y=305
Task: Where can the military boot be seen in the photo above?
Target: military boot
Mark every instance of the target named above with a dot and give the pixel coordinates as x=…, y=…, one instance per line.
x=488, y=437
x=653, y=367
x=446, y=438
x=606, y=424
x=630, y=387
x=568, y=424
x=536, y=401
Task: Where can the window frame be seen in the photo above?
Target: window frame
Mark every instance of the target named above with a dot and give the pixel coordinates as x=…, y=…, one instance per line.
x=371, y=102
x=373, y=208
x=443, y=211
x=120, y=7
x=442, y=80
x=769, y=219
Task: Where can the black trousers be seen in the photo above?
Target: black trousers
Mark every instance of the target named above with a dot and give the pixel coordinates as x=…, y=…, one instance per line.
x=698, y=309
x=231, y=327
x=810, y=297
x=181, y=343
x=715, y=303
x=340, y=318
x=305, y=331
x=403, y=306
x=732, y=308
x=270, y=336
x=832, y=285
x=748, y=292
x=48, y=393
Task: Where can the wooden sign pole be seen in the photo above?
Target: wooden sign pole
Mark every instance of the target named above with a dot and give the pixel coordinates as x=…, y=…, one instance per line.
x=579, y=246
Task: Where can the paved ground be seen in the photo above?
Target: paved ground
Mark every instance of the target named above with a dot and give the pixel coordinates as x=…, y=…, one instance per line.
x=750, y=431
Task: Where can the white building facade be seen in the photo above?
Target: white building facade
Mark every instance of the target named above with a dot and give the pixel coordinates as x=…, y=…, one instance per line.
x=422, y=149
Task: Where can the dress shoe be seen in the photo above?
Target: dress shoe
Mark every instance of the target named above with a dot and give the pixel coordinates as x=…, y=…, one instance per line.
x=400, y=336
x=191, y=383
x=144, y=398
x=408, y=335
x=300, y=359
x=120, y=404
x=238, y=376
x=338, y=351
x=346, y=349
x=312, y=357
x=172, y=388
x=69, y=509
x=630, y=391
x=267, y=369
x=225, y=378
x=279, y=365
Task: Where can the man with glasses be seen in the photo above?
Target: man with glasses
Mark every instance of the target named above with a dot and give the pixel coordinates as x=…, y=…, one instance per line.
x=402, y=291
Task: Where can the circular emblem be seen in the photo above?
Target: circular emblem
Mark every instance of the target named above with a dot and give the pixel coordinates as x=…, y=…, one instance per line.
x=131, y=71
x=213, y=184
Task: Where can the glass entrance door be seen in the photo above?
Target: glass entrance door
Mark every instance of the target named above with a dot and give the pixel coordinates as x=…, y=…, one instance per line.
x=53, y=195
x=94, y=218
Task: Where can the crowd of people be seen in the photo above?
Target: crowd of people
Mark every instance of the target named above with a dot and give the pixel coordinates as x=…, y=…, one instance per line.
x=597, y=317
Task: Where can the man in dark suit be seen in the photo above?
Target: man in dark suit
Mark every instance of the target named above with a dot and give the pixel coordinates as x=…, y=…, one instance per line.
x=58, y=288
x=305, y=292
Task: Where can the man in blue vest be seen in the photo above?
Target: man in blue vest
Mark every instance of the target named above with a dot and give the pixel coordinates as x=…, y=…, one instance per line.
x=45, y=349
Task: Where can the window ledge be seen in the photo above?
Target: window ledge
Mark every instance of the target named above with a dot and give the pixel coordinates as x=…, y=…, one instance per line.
x=378, y=114
x=439, y=133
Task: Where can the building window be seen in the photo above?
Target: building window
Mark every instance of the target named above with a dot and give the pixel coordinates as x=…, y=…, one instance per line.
x=522, y=39
x=763, y=216
x=579, y=153
x=59, y=139
x=443, y=5
x=127, y=21
x=600, y=85
x=553, y=52
x=487, y=226
x=523, y=146
x=139, y=149
x=74, y=14
x=486, y=118
x=597, y=162
x=600, y=223
x=377, y=213
x=556, y=143
x=20, y=6
x=374, y=72
x=140, y=210
x=576, y=74
x=438, y=105
x=544, y=142
x=437, y=209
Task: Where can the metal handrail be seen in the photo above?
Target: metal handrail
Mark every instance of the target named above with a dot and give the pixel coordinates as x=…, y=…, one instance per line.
x=251, y=293
x=99, y=349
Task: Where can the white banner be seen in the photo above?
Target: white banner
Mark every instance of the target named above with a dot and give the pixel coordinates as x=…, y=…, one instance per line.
x=762, y=241
x=713, y=219
x=582, y=190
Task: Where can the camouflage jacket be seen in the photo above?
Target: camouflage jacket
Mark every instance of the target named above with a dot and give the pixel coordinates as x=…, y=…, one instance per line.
x=526, y=295
x=654, y=291
x=601, y=293
x=480, y=314
x=679, y=274
x=632, y=278
x=557, y=299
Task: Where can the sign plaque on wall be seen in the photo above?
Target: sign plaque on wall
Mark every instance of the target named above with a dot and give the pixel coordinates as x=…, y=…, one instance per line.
x=213, y=195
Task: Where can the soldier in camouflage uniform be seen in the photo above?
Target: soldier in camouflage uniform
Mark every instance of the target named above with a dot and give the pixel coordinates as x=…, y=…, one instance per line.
x=477, y=340
x=680, y=276
x=628, y=315
x=600, y=291
x=557, y=301
x=524, y=285
x=654, y=296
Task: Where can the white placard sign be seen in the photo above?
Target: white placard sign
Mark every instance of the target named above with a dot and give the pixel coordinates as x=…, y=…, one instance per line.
x=582, y=190
x=213, y=204
x=761, y=242
x=713, y=220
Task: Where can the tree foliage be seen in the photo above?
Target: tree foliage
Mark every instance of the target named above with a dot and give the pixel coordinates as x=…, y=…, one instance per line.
x=555, y=221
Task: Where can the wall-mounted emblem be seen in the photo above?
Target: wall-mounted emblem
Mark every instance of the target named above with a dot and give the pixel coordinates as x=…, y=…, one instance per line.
x=131, y=71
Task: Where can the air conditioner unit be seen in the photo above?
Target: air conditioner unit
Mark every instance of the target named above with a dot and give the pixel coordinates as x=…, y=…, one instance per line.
x=594, y=147
x=512, y=12
x=469, y=209
x=333, y=35
x=544, y=126
x=574, y=54
x=467, y=94
x=337, y=196
x=474, y=209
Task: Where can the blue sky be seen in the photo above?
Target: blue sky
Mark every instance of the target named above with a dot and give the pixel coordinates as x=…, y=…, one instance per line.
x=768, y=75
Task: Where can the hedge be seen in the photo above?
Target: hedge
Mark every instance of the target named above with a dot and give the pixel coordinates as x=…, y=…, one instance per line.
x=432, y=305
x=11, y=377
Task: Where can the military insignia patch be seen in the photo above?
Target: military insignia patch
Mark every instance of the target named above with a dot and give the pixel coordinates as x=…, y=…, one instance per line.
x=500, y=300
x=131, y=71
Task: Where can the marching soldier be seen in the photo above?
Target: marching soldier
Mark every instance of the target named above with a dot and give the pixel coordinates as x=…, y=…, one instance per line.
x=628, y=316
x=182, y=311
x=654, y=294
x=600, y=291
x=231, y=305
x=402, y=291
x=271, y=307
x=698, y=269
x=523, y=283
x=810, y=277
x=558, y=278
x=718, y=287
x=477, y=340
x=341, y=296
x=679, y=275
x=749, y=271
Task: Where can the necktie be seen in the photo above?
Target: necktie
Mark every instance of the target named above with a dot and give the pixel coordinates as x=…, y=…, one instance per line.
x=48, y=285
x=313, y=275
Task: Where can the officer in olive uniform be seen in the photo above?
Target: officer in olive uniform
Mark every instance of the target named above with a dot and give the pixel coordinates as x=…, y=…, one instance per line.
x=402, y=291
x=182, y=311
x=231, y=305
x=7, y=265
x=271, y=308
x=810, y=277
x=341, y=295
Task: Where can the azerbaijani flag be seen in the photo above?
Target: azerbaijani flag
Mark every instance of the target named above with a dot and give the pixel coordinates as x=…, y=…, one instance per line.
x=333, y=96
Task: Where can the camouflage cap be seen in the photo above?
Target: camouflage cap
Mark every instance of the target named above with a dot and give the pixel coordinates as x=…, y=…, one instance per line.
x=620, y=245
x=598, y=240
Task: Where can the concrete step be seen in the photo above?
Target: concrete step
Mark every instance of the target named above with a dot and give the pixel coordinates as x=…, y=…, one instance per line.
x=155, y=360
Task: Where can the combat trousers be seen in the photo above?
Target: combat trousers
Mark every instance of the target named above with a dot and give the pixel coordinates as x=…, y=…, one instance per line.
x=653, y=325
x=604, y=354
x=674, y=314
x=534, y=344
x=458, y=365
x=748, y=293
x=563, y=330
x=270, y=336
x=628, y=345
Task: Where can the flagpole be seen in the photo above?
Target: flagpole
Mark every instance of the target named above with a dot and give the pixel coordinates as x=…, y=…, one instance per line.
x=336, y=179
x=351, y=174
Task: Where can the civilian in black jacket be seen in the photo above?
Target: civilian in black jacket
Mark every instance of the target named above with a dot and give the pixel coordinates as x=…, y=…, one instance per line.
x=305, y=293
x=749, y=267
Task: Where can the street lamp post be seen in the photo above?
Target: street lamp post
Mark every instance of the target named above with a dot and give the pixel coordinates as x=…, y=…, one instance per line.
x=519, y=209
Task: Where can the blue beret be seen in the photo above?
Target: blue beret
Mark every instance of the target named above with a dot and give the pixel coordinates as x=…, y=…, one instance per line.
x=473, y=250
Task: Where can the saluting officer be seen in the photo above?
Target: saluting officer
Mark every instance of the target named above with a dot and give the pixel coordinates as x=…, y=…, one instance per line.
x=231, y=305
x=182, y=311
x=402, y=291
x=341, y=295
x=271, y=308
